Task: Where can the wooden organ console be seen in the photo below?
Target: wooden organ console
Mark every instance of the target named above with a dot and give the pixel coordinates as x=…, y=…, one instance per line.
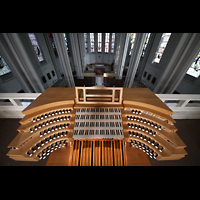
x=97, y=126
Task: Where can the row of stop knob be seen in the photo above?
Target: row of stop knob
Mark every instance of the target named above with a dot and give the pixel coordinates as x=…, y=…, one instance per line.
x=155, y=125
x=38, y=118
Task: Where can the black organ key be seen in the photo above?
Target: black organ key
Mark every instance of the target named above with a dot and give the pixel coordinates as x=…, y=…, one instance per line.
x=107, y=124
x=102, y=124
x=75, y=132
x=101, y=116
x=112, y=124
x=91, y=132
x=92, y=116
x=92, y=124
x=112, y=132
x=97, y=132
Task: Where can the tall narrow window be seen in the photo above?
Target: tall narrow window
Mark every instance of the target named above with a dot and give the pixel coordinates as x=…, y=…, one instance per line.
x=194, y=69
x=92, y=42
x=145, y=44
x=132, y=42
x=36, y=46
x=107, y=42
x=86, y=44
x=53, y=44
x=99, y=41
x=161, y=47
x=113, y=43
x=4, y=69
x=66, y=42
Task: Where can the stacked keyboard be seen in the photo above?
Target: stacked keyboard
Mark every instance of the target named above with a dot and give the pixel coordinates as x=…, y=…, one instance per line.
x=94, y=123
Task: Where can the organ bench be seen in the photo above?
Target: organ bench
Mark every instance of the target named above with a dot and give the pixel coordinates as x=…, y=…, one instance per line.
x=99, y=125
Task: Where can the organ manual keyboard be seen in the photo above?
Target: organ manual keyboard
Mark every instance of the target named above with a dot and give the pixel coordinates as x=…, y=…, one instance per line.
x=97, y=126
x=95, y=123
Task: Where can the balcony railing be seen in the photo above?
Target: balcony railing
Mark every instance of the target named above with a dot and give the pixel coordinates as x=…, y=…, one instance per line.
x=184, y=106
x=12, y=104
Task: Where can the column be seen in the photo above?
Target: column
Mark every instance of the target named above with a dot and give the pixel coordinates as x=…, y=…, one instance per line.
x=73, y=37
x=121, y=54
x=17, y=59
x=81, y=43
x=179, y=63
x=134, y=60
x=64, y=59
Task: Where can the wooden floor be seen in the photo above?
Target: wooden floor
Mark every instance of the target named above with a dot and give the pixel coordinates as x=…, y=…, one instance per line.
x=98, y=153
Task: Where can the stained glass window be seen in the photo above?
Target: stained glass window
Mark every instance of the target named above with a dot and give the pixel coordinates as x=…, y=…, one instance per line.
x=92, y=42
x=36, y=46
x=145, y=44
x=4, y=69
x=86, y=43
x=161, y=47
x=194, y=69
x=66, y=42
x=53, y=44
x=132, y=42
x=113, y=43
x=99, y=41
x=107, y=35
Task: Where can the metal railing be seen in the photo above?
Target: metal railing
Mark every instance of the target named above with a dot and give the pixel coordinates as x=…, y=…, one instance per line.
x=184, y=106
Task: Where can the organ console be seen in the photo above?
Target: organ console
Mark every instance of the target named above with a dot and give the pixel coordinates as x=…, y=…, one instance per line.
x=98, y=125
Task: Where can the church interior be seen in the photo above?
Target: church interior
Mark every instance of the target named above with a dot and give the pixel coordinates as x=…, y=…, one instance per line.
x=143, y=86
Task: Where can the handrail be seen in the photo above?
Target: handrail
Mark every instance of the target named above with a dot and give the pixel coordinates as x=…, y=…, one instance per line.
x=182, y=106
x=13, y=107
